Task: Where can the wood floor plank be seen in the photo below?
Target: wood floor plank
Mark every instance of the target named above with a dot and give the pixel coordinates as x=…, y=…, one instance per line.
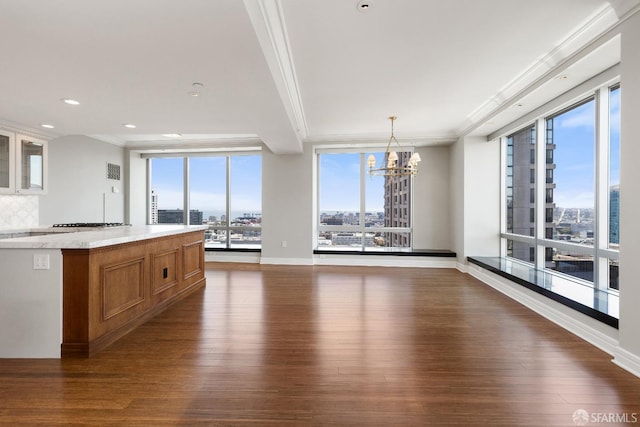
x=300, y=345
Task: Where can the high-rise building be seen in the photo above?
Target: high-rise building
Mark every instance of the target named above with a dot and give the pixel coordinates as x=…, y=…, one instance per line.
x=614, y=214
x=521, y=192
x=176, y=216
x=397, y=205
x=154, y=207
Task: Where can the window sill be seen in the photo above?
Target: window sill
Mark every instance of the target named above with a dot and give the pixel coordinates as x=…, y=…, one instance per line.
x=599, y=305
x=232, y=250
x=440, y=253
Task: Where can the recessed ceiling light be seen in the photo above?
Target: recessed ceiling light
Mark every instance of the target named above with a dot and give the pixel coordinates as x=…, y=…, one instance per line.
x=47, y=125
x=172, y=135
x=197, y=87
x=70, y=101
x=129, y=125
x=364, y=5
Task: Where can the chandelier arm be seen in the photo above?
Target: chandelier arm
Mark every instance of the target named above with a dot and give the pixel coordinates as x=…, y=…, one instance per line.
x=394, y=170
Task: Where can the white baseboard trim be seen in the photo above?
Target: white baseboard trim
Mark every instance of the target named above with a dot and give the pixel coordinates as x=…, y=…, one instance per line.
x=251, y=258
x=286, y=261
x=627, y=361
x=463, y=268
x=555, y=312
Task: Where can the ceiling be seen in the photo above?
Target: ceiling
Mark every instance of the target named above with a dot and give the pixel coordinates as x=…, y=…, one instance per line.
x=289, y=72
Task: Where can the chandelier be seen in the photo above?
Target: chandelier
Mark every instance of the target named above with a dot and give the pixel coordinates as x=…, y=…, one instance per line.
x=392, y=165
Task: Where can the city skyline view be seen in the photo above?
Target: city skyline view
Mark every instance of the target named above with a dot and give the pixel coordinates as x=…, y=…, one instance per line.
x=207, y=179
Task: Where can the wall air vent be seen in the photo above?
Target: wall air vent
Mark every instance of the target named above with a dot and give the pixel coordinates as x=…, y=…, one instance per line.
x=113, y=171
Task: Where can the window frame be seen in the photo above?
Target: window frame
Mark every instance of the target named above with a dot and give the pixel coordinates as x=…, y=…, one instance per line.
x=601, y=253
x=227, y=225
x=361, y=227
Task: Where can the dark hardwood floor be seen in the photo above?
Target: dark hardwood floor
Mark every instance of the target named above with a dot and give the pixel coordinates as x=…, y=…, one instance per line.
x=292, y=345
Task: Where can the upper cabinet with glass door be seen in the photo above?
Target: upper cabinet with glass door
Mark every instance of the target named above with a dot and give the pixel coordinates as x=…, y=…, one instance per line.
x=7, y=162
x=23, y=161
x=30, y=165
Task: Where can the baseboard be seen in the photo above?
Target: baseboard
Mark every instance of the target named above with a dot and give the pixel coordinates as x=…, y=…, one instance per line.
x=627, y=361
x=242, y=257
x=463, y=268
x=548, y=309
x=286, y=261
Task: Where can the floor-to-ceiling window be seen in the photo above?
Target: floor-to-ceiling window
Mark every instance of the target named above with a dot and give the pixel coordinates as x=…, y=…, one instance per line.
x=167, y=190
x=562, y=195
x=223, y=192
x=357, y=211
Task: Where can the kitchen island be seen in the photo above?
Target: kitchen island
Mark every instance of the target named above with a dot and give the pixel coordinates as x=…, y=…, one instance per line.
x=75, y=293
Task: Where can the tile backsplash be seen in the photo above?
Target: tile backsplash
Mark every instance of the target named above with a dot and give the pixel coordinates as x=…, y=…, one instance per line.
x=18, y=211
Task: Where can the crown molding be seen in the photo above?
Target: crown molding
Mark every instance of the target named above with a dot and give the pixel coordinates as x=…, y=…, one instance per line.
x=268, y=23
x=595, y=32
x=27, y=130
x=379, y=140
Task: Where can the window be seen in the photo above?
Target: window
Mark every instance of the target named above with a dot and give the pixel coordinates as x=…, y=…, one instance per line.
x=520, y=195
x=361, y=212
x=573, y=208
x=245, y=202
x=167, y=190
x=614, y=184
x=614, y=167
x=572, y=136
x=224, y=192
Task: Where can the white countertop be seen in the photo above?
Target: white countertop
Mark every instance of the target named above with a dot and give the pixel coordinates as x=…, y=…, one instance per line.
x=62, y=239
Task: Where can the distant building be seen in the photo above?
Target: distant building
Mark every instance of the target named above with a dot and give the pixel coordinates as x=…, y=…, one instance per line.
x=614, y=215
x=154, y=207
x=351, y=239
x=332, y=220
x=176, y=216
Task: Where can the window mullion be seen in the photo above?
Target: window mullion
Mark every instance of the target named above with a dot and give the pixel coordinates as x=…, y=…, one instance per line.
x=186, y=219
x=601, y=266
x=228, y=203
x=362, y=199
x=541, y=191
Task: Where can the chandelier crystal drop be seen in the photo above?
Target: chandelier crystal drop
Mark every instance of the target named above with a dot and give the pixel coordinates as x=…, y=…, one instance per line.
x=392, y=165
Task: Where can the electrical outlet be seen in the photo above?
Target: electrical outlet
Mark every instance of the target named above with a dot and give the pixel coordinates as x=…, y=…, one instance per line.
x=284, y=243
x=41, y=262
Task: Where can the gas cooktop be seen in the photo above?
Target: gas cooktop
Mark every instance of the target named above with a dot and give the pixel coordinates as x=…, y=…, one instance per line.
x=90, y=224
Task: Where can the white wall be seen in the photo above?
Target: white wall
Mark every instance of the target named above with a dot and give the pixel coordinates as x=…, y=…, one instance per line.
x=475, y=197
x=456, y=199
x=78, y=182
x=431, y=211
x=287, y=207
x=630, y=190
x=136, y=189
x=31, y=304
x=481, y=197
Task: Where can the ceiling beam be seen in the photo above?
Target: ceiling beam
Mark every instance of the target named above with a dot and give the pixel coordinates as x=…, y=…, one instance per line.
x=268, y=22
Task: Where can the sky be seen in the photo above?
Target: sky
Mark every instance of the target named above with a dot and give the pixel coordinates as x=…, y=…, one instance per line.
x=207, y=179
x=339, y=184
x=574, y=156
